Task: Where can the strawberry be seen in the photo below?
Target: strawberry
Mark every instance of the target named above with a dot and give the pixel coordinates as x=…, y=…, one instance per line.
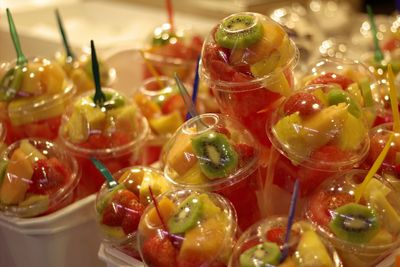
x=49, y=175
x=245, y=152
x=304, y=103
x=113, y=215
x=277, y=235
x=159, y=251
x=173, y=103
x=333, y=78
x=124, y=197
x=133, y=212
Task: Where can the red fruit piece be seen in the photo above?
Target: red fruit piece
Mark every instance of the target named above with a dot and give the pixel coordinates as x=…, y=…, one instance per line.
x=133, y=212
x=333, y=78
x=124, y=197
x=49, y=175
x=391, y=44
x=329, y=154
x=173, y=103
x=323, y=203
x=277, y=235
x=304, y=103
x=245, y=152
x=116, y=210
x=158, y=251
x=223, y=130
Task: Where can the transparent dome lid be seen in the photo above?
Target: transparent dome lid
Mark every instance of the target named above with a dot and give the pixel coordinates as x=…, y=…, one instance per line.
x=321, y=127
x=263, y=245
x=115, y=127
x=36, y=177
x=193, y=226
x=120, y=208
x=246, y=48
x=210, y=151
x=372, y=222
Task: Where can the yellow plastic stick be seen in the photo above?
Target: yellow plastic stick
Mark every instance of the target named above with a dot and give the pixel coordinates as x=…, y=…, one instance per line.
x=152, y=69
x=393, y=100
x=375, y=167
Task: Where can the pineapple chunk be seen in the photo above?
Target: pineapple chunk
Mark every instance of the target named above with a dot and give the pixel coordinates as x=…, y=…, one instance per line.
x=312, y=252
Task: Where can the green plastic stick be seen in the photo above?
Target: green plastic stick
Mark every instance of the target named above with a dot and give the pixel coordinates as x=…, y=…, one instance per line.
x=99, y=96
x=67, y=48
x=105, y=172
x=21, y=59
x=378, y=53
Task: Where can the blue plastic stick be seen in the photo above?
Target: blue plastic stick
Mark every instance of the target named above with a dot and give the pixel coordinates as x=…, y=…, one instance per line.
x=195, y=88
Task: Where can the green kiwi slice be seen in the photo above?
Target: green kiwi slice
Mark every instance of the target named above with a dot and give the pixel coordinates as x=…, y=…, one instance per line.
x=187, y=215
x=336, y=96
x=355, y=223
x=239, y=31
x=264, y=254
x=217, y=157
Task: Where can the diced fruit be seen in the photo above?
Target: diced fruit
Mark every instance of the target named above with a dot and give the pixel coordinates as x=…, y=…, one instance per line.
x=113, y=231
x=15, y=184
x=3, y=169
x=336, y=96
x=187, y=215
x=77, y=128
x=81, y=80
x=391, y=218
x=355, y=92
x=278, y=84
x=159, y=251
x=312, y=252
x=333, y=78
x=266, y=65
x=52, y=78
x=265, y=254
x=103, y=202
x=31, y=151
x=122, y=118
x=166, y=124
x=34, y=200
x=166, y=207
x=181, y=156
x=94, y=116
x=383, y=237
x=31, y=79
x=193, y=176
x=132, y=180
x=157, y=184
x=245, y=152
x=289, y=262
x=173, y=103
x=209, y=209
x=205, y=241
x=304, y=103
x=353, y=134
x=366, y=92
x=321, y=96
x=148, y=108
x=133, y=212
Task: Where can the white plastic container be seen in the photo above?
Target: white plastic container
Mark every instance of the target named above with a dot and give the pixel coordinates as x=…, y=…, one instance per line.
x=115, y=258
x=68, y=237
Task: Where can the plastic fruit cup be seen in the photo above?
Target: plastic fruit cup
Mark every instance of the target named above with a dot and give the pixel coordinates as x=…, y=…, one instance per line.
x=165, y=111
x=3, y=133
x=114, y=134
x=80, y=70
x=37, y=178
x=391, y=165
x=120, y=208
x=249, y=69
x=215, y=153
x=34, y=99
x=263, y=245
x=351, y=76
x=171, y=52
x=317, y=132
x=363, y=233
x=196, y=229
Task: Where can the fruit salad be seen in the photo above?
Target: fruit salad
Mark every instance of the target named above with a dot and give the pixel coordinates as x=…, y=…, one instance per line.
x=36, y=178
x=363, y=232
x=33, y=98
x=120, y=208
x=264, y=245
x=215, y=153
x=165, y=111
x=171, y=51
x=318, y=131
x=350, y=76
x=113, y=133
x=248, y=60
x=80, y=71
x=187, y=228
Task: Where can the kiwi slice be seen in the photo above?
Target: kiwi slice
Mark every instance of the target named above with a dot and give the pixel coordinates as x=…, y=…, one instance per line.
x=336, y=96
x=216, y=155
x=187, y=215
x=239, y=31
x=264, y=254
x=355, y=223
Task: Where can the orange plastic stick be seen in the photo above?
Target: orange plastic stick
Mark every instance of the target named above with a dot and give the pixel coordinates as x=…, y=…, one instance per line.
x=170, y=11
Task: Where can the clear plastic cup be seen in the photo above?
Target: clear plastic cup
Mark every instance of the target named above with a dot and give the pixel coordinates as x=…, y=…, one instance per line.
x=37, y=178
x=263, y=245
x=173, y=51
x=317, y=132
x=165, y=111
x=120, y=208
x=33, y=98
x=215, y=153
x=204, y=237
x=79, y=70
x=352, y=76
x=249, y=76
x=363, y=233
x=114, y=134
